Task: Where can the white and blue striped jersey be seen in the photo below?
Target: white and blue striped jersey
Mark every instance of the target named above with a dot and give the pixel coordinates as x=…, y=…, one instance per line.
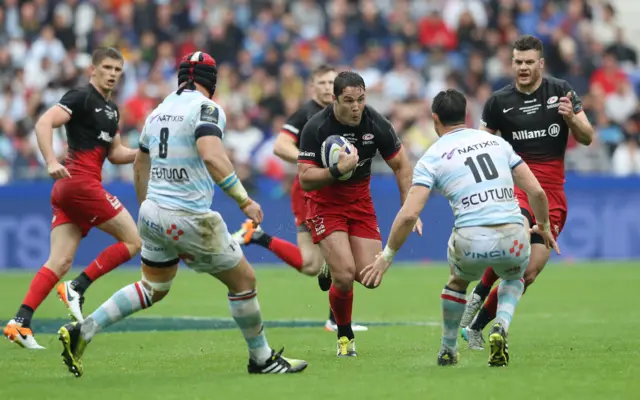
x=179, y=179
x=472, y=169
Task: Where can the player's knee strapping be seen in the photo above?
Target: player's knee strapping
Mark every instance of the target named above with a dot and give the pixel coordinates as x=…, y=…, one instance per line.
x=232, y=186
x=155, y=290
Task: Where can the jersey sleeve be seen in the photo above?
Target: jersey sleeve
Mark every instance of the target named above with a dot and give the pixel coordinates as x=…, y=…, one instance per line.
x=490, y=116
x=73, y=101
x=310, y=145
x=386, y=138
x=424, y=173
x=143, y=141
x=210, y=121
x=576, y=101
x=294, y=124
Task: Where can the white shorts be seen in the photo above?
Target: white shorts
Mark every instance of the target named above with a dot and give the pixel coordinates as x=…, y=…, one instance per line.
x=202, y=241
x=505, y=249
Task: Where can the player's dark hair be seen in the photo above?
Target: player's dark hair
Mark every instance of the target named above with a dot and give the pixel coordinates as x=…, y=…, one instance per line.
x=99, y=55
x=450, y=106
x=528, y=42
x=321, y=70
x=347, y=79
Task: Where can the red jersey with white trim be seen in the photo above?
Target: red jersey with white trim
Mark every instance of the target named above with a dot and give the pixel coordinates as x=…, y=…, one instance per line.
x=533, y=127
x=374, y=134
x=294, y=124
x=90, y=131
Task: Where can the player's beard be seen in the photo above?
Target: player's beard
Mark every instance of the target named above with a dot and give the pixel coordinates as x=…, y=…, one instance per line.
x=529, y=82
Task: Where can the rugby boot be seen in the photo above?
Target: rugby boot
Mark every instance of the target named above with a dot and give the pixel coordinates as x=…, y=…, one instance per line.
x=475, y=338
x=247, y=233
x=73, y=346
x=277, y=364
x=346, y=347
x=447, y=357
x=71, y=299
x=21, y=336
x=499, y=356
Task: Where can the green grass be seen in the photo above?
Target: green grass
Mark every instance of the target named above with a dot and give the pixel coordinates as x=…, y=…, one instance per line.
x=574, y=336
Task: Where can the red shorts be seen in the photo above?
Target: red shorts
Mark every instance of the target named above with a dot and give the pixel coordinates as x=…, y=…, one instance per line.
x=298, y=202
x=557, y=208
x=357, y=219
x=83, y=203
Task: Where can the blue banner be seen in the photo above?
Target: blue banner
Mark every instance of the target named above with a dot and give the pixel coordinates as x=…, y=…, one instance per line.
x=603, y=221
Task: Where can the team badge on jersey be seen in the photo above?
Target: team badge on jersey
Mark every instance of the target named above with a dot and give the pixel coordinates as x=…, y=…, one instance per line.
x=209, y=113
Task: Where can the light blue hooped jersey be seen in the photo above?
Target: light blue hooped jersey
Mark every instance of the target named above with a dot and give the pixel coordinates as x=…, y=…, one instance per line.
x=472, y=169
x=179, y=179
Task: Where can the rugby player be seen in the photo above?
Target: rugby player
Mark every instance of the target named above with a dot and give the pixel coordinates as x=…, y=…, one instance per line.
x=535, y=115
x=306, y=258
x=340, y=214
x=181, y=156
x=475, y=171
x=78, y=198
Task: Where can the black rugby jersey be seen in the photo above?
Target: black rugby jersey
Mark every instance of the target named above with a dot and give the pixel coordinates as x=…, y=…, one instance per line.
x=374, y=134
x=90, y=131
x=294, y=124
x=532, y=125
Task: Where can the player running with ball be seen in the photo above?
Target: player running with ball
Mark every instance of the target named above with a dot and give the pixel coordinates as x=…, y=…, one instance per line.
x=535, y=115
x=181, y=157
x=475, y=171
x=78, y=199
x=340, y=213
x=306, y=258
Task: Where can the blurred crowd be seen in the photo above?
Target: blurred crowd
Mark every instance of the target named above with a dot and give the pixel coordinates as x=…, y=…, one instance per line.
x=406, y=50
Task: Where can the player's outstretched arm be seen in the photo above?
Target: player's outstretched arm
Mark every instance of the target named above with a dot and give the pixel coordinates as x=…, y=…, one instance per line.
x=286, y=148
x=403, y=171
x=141, y=169
x=120, y=154
x=53, y=118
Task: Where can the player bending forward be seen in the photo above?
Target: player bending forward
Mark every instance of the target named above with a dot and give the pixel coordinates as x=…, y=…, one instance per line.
x=181, y=157
x=79, y=200
x=340, y=214
x=535, y=115
x=306, y=258
x=475, y=171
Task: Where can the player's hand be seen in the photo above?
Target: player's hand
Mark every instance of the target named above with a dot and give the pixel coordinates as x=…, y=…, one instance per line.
x=566, y=107
x=58, y=171
x=418, y=227
x=547, y=236
x=347, y=162
x=371, y=275
x=253, y=211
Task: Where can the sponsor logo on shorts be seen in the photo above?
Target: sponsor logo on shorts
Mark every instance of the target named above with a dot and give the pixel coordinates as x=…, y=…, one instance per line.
x=113, y=200
x=151, y=225
x=174, y=232
x=318, y=225
x=485, y=255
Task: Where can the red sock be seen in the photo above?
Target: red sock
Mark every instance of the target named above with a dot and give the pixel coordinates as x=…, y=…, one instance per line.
x=108, y=260
x=341, y=304
x=40, y=287
x=491, y=303
x=287, y=252
x=489, y=277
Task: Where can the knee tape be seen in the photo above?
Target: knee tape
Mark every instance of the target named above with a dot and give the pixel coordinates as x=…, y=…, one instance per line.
x=156, y=286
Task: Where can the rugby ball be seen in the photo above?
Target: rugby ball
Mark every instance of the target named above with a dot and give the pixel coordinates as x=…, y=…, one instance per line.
x=330, y=152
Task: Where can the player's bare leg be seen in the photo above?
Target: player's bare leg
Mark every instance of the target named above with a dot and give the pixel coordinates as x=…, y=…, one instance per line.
x=245, y=310
x=338, y=255
x=123, y=228
x=64, y=244
x=153, y=287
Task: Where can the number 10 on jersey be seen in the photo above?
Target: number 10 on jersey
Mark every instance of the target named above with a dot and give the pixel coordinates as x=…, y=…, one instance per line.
x=486, y=165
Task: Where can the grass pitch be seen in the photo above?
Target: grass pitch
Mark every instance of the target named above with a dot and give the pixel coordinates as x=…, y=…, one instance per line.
x=574, y=336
